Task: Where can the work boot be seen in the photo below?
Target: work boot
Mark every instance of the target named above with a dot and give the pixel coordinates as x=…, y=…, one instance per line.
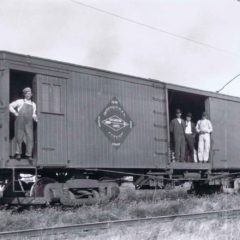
x=18, y=157
x=30, y=160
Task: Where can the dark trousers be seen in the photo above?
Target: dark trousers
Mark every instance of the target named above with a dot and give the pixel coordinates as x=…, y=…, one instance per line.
x=180, y=148
x=190, y=141
x=24, y=128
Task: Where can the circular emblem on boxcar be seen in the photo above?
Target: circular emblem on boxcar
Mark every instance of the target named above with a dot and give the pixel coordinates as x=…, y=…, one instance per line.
x=115, y=122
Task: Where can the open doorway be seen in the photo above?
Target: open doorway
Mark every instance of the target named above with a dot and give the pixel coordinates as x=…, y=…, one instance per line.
x=18, y=81
x=187, y=103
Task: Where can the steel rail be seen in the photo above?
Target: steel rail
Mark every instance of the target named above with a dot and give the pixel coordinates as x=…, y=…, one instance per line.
x=77, y=228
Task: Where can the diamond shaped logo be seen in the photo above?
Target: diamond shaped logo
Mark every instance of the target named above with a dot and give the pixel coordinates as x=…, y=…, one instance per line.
x=115, y=122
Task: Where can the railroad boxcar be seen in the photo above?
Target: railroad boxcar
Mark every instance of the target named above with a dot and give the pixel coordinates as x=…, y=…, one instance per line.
x=97, y=126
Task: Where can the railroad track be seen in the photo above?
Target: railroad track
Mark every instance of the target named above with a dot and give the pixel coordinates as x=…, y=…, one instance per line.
x=43, y=232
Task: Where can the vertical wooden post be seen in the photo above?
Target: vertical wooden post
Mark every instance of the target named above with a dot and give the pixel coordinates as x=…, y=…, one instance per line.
x=168, y=121
x=4, y=116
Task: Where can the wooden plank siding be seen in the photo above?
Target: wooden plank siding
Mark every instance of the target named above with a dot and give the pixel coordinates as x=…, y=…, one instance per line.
x=73, y=138
x=225, y=117
x=4, y=114
x=51, y=129
x=40, y=65
x=87, y=145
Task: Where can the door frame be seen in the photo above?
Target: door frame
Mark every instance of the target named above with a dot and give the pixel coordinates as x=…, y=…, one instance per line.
x=4, y=115
x=168, y=124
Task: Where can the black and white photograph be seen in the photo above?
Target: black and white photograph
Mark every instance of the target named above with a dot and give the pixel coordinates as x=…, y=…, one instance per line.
x=119, y=119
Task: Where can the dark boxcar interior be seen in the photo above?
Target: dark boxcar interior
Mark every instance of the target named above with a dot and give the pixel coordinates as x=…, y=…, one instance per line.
x=187, y=102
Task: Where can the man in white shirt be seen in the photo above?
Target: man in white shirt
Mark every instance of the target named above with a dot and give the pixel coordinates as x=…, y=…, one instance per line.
x=204, y=128
x=25, y=112
x=190, y=133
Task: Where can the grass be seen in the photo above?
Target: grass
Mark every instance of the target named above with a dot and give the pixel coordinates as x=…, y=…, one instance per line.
x=133, y=204
x=207, y=230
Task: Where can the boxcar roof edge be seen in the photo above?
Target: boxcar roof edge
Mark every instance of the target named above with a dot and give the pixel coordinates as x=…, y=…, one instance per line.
x=6, y=55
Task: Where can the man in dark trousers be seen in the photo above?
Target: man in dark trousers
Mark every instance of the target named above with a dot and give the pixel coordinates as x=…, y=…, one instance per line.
x=25, y=112
x=190, y=133
x=177, y=129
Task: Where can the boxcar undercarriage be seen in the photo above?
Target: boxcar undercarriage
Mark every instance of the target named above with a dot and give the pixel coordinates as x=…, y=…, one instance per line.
x=76, y=187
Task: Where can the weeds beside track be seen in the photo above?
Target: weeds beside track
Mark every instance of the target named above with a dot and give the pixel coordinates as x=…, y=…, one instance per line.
x=77, y=228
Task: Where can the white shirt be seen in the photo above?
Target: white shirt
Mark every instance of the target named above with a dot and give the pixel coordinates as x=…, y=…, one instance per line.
x=179, y=120
x=188, y=129
x=18, y=104
x=204, y=125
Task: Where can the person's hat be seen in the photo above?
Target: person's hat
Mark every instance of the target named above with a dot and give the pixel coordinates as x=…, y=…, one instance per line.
x=189, y=115
x=178, y=111
x=204, y=114
x=27, y=89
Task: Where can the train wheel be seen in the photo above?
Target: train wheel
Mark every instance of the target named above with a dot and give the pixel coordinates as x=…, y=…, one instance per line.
x=87, y=197
x=113, y=191
x=96, y=196
x=109, y=192
x=37, y=189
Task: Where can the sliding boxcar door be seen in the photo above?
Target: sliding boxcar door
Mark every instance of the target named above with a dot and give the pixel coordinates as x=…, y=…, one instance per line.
x=225, y=117
x=51, y=127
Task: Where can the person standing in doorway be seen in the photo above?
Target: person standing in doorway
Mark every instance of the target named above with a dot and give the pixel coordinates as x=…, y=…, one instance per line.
x=177, y=129
x=190, y=133
x=25, y=112
x=204, y=128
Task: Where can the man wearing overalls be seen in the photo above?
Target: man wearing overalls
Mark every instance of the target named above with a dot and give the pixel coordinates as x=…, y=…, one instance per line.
x=25, y=113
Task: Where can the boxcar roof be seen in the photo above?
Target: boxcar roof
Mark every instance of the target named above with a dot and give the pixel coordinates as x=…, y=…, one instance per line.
x=65, y=66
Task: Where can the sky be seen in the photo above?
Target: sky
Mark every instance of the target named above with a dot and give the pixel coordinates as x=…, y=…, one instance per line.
x=68, y=31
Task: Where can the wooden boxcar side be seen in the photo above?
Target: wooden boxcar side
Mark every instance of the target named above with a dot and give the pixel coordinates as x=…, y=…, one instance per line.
x=145, y=145
x=69, y=136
